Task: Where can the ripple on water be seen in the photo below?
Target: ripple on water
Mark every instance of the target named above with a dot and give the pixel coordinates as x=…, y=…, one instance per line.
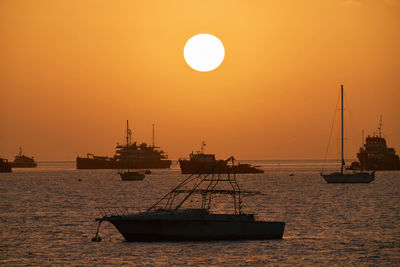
x=47, y=218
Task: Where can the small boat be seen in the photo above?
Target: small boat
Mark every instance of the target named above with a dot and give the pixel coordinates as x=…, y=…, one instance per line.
x=22, y=161
x=131, y=176
x=292, y=174
x=5, y=166
x=357, y=175
x=147, y=172
x=168, y=220
x=199, y=162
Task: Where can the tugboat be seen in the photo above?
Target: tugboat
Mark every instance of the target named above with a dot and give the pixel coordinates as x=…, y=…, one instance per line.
x=22, y=161
x=375, y=155
x=128, y=156
x=167, y=220
x=356, y=176
x=5, y=166
x=200, y=162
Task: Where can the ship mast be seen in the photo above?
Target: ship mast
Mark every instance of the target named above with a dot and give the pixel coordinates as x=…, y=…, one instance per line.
x=343, y=163
x=153, y=135
x=128, y=134
x=362, y=137
x=380, y=127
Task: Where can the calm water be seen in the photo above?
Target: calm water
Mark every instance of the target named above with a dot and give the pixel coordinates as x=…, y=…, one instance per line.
x=47, y=218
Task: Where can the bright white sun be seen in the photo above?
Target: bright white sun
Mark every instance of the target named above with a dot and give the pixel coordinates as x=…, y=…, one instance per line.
x=204, y=52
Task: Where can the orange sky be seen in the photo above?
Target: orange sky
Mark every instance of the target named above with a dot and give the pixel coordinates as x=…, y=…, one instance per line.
x=72, y=72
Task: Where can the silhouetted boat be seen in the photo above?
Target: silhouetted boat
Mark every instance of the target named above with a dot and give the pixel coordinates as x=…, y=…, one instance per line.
x=22, y=161
x=356, y=176
x=128, y=156
x=131, y=176
x=199, y=162
x=5, y=166
x=166, y=220
x=375, y=155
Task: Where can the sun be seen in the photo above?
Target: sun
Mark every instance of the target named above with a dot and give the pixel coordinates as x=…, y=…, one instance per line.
x=204, y=52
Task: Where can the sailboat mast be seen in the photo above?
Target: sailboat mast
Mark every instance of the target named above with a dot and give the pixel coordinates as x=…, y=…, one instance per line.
x=342, y=163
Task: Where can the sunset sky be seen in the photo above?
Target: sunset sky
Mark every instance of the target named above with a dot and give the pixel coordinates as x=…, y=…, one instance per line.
x=72, y=72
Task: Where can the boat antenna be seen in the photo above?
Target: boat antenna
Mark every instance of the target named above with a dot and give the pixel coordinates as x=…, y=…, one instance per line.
x=380, y=127
x=203, y=144
x=362, y=136
x=153, y=135
x=343, y=163
x=128, y=134
x=20, y=151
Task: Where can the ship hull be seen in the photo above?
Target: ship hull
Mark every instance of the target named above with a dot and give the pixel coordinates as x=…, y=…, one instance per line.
x=382, y=163
x=24, y=165
x=111, y=163
x=196, y=230
x=193, y=167
x=353, y=178
x=5, y=168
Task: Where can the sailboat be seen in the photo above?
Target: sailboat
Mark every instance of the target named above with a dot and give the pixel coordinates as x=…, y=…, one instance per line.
x=356, y=176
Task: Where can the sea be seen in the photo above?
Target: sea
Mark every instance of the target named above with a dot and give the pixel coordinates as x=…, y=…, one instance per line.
x=47, y=217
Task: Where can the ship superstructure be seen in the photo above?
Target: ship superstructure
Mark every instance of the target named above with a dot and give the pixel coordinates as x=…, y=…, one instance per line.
x=375, y=155
x=22, y=161
x=128, y=156
x=199, y=162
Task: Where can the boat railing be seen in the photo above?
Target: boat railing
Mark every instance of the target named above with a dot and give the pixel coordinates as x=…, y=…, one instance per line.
x=116, y=211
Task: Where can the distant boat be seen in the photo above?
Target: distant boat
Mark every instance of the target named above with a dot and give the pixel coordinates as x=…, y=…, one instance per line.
x=5, y=166
x=357, y=175
x=129, y=155
x=199, y=162
x=167, y=220
x=375, y=155
x=22, y=161
x=131, y=176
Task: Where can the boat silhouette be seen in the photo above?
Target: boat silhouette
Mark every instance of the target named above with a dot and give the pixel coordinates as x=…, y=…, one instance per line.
x=200, y=162
x=169, y=220
x=128, y=156
x=354, y=176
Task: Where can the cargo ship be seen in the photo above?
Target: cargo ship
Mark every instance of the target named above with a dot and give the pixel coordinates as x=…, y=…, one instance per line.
x=375, y=155
x=128, y=156
x=199, y=162
x=22, y=161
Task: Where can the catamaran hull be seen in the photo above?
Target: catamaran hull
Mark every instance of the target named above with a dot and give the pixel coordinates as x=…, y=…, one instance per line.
x=197, y=230
x=352, y=178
